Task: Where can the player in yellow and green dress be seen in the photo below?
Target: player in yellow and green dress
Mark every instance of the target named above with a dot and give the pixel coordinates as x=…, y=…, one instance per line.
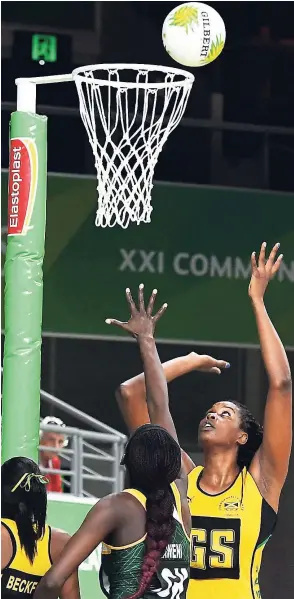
x=234, y=499
x=28, y=545
x=145, y=529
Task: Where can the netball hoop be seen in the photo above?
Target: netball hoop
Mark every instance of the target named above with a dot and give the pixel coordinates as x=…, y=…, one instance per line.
x=128, y=111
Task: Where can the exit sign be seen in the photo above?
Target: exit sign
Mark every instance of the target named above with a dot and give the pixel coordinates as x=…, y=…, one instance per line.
x=44, y=47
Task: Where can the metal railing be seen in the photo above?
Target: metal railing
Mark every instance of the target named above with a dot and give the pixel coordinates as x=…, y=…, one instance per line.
x=81, y=451
x=85, y=447
x=81, y=416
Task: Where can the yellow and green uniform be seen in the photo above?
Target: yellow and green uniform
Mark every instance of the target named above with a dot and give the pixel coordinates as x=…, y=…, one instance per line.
x=20, y=578
x=229, y=532
x=120, y=572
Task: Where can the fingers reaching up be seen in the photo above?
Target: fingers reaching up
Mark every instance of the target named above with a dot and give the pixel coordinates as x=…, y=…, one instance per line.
x=141, y=321
x=264, y=270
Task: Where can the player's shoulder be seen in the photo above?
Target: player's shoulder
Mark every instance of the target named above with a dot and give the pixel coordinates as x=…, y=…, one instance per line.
x=194, y=473
x=187, y=463
x=7, y=549
x=125, y=497
x=131, y=499
x=5, y=532
x=181, y=485
x=122, y=503
x=59, y=533
x=192, y=480
x=8, y=532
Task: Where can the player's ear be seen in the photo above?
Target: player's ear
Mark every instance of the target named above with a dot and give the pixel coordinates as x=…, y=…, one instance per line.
x=242, y=438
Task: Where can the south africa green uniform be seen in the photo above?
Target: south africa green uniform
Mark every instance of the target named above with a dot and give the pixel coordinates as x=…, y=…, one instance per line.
x=120, y=571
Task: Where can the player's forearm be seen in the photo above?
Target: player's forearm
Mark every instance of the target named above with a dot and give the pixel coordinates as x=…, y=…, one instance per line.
x=172, y=369
x=155, y=381
x=273, y=352
x=131, y=395
x=47, y=589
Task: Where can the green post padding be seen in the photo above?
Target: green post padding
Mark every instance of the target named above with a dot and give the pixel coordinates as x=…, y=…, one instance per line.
x=24, y=285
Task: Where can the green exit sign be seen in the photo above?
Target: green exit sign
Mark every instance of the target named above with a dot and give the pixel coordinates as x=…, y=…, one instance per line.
x=44, y=47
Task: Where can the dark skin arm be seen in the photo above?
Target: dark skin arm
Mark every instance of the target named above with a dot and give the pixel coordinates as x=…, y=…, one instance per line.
x=71, y=587
x=103, y=518
x=131, y=399
x=141, y=325
x=269, y=466
x=131, y=395
x=111, y=513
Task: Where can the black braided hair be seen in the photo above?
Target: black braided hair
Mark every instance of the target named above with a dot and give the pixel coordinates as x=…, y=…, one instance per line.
x=153, y=461
x=254, y=431
x=27, y=508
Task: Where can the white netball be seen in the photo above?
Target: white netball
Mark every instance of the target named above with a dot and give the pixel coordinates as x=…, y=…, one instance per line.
x=194, y=34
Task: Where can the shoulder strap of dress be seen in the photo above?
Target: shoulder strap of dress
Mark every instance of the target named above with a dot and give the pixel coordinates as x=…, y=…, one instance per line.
x=177, y=496
x=11, y=526
x=138, y=495
x=142, y=499
x=192, y=481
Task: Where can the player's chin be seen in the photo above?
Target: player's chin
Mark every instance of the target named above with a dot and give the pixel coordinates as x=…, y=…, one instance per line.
x=206, y=436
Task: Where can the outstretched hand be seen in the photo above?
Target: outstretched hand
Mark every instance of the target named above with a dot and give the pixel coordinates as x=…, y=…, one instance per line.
x=205, y=363
x=264, y=271
x=141, y=323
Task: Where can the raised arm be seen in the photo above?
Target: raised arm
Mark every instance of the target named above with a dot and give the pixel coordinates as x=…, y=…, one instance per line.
x=270, y=464
x=131, y=395
x=155, y=381
x=141, y=325
x=103, y=518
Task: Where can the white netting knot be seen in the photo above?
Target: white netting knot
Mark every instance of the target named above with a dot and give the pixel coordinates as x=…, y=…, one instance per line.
x=128, y=123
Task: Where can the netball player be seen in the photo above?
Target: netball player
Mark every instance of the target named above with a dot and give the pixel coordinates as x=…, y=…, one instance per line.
x=146, y=528
x=28, y=544
x=234, y=499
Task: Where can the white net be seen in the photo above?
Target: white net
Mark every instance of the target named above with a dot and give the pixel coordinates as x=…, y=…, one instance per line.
x=127, y=122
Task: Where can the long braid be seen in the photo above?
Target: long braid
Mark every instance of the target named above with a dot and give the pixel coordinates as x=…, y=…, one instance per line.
x=160, y=525
x=154, y=461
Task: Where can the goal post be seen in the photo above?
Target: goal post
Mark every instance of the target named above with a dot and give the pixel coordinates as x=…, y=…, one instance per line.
x=24, y=284
x=23, y=292
x=128, y=111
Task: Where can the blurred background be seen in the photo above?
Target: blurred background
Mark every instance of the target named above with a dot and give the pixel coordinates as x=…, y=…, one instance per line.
x=225, y=183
